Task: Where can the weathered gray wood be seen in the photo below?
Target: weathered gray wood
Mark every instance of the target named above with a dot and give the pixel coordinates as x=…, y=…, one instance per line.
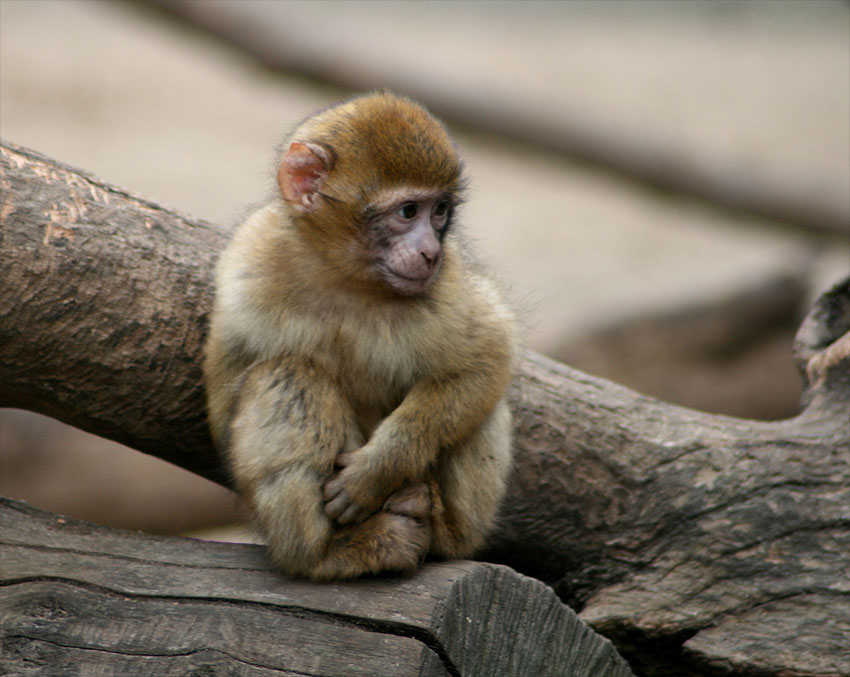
x=113, y=602
x=669, y=529
x=22, y=657
x=672, y=529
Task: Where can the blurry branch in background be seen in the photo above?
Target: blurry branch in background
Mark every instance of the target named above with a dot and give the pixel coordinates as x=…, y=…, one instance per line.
x=669, y=529
x=316, y=54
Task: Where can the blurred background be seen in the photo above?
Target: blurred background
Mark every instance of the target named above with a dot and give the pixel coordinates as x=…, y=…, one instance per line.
x=664, y=186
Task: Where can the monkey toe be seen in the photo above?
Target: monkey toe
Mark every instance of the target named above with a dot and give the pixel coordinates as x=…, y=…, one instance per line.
x=411, y=539
x=412, y=501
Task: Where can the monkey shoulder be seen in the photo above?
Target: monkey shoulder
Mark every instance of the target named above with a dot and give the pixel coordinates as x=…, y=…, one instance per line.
x=476, y=300
x=256, y=287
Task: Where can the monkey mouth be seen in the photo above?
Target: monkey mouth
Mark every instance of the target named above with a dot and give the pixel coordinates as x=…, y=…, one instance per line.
x=406, y=284
x=424, y=278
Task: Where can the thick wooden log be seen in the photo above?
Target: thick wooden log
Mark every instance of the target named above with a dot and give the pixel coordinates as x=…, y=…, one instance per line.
x=103, y=309
x=83, y=599
x=670, y=530
x=673, y=530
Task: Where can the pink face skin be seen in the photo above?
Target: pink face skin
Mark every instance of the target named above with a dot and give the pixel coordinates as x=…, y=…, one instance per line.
x=413, y=225
x=407, y=227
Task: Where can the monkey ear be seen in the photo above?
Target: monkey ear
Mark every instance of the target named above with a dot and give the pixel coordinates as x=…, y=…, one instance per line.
x=302, y=174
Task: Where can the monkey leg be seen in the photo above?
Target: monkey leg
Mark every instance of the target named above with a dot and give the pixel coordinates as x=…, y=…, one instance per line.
x=303, y=541
x=291, y=423
x=467, y=486
x=393, y=539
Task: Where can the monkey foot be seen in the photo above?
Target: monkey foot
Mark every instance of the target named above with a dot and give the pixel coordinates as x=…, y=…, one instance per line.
x=411, y=501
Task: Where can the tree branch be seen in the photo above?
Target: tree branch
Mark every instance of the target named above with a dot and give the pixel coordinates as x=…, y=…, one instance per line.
x=697, y=542
x=82, y=599
x=103, y=309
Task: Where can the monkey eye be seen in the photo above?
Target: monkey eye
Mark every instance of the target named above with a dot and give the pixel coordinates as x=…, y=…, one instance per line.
x=408, y=210
x=440, y=215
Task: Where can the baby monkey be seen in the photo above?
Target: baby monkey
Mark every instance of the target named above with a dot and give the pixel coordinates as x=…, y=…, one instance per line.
x=357, y=364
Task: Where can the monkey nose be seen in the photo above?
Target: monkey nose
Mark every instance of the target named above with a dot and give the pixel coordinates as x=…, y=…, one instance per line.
x=431, y=256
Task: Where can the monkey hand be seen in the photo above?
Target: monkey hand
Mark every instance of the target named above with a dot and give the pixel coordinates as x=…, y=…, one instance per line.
x=342, y=502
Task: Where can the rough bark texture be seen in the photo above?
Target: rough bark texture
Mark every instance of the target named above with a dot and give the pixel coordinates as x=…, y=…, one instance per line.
x=700, y=544
x=103, y=308
x=82, y=599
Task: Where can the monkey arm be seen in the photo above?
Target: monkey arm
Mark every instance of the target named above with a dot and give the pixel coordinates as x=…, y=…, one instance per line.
x=436, y=414
x=439, y=413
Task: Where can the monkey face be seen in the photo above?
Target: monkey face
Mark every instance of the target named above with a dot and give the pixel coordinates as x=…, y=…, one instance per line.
x=372, y=185
x=408, y=248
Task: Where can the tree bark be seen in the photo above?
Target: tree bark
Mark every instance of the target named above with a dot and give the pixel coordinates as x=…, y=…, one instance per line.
x=84, y=599
x=700, y=544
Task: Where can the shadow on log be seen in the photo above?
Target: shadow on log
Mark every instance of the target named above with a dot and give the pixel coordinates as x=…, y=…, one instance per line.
x=700, y=544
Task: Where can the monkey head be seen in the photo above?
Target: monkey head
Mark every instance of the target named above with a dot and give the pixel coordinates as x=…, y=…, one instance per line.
x=372, y=185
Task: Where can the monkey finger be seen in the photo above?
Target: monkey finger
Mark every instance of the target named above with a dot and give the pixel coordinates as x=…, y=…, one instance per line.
x=338, y=505
x=332, y=487
x=353, y=513
x=344, y=459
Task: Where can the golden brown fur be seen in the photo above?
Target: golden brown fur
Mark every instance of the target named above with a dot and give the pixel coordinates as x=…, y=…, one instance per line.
x=362, y=414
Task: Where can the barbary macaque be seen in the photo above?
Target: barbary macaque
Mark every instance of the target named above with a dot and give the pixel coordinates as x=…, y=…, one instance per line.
x=357, y=361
